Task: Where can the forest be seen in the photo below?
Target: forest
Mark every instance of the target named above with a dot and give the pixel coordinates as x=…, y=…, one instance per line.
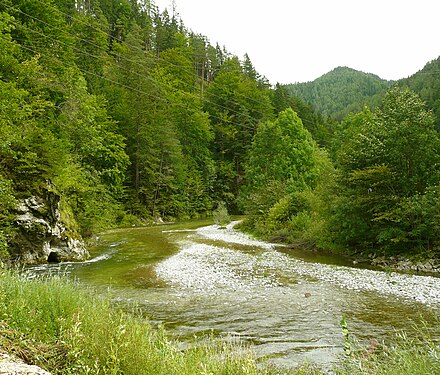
x=132, y=118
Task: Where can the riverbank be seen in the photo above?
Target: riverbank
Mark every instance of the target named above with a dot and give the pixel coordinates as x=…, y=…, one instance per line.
x=415, y=264
x=59, y=326
x=406, y=264
x=62, y=328
x=426, y=263
x=399, y=263
x=424, y=289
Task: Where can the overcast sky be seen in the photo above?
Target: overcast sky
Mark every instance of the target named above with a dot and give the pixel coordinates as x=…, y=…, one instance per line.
x=299, y=40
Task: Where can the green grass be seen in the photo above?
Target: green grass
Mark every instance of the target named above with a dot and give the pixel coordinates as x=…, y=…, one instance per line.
x=402, y=356
x=65, y=329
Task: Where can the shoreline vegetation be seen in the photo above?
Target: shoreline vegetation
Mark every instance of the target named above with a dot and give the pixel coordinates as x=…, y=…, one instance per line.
x=62, y=327
x=419, y=264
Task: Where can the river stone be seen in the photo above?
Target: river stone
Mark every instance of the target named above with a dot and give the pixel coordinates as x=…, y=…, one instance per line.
x=14, y=366
x=41, y=235
x=400, y=263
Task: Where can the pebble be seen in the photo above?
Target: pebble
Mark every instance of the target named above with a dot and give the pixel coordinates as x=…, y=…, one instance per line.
x=209, y=268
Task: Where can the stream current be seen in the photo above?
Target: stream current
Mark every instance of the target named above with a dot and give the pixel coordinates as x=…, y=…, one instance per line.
x=286, y=304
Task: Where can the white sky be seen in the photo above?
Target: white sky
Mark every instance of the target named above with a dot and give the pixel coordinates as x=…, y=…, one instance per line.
x=299, y=40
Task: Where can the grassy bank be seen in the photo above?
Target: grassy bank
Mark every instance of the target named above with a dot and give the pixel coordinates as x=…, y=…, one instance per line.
x=58, y=325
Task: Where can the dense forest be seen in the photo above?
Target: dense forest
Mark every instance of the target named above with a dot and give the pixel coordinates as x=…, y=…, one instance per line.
x=426, y=83
x=341, y=91
x=129, y=117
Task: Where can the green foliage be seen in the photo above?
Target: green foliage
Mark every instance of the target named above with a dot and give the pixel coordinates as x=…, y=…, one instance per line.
x=280, y=212
x=282, y=155
x=426, y=83
x=7, y=198
x=119, y=107
x=8, y=58
x=7, y=204
x=91, y=135
x=389, y=162
x=284, y=163
x=236, y=104
x=321, y=129
x=54, y=132
x=341, y=91
x=282, y=152
x=220, y=215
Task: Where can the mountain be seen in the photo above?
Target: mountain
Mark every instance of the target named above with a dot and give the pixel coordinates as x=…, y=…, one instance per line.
x=341, y=91
x=426, y=83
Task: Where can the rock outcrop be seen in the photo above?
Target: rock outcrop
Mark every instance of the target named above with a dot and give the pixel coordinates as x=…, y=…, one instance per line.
x=41, y=236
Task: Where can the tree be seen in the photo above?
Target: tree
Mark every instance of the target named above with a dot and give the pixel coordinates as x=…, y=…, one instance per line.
x=282, y=162
x=321, y=130
x=281, y=98
x=92, y=136
x=236, y=105
x=42, y=29
x=118, y=14
x=341, y=91
x=134, y=102
x=91, y=44
x=192, y=126
x=389, y=166
x=426, y=83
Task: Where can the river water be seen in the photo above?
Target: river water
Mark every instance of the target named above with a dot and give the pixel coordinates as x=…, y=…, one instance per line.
x=198, y=280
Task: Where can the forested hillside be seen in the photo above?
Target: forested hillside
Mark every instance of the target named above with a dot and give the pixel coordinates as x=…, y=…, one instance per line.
x=341, y=91
x=120, y=111
x=426, y=83
x=128, y=117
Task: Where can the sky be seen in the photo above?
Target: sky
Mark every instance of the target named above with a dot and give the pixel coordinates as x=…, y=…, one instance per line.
x=292, y=41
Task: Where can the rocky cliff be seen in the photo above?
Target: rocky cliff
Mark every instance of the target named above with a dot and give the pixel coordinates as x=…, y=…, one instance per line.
x=40, y=235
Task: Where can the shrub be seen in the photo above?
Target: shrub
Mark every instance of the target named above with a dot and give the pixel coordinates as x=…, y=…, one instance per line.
x=220, y=215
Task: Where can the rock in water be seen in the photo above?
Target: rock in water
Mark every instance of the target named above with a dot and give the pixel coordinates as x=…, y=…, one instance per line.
x=41, y=235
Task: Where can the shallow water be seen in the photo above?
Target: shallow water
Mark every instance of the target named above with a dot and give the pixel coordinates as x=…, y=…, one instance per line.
x=198, y=279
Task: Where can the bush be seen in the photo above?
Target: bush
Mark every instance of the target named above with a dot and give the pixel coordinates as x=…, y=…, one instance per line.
x=221, y=216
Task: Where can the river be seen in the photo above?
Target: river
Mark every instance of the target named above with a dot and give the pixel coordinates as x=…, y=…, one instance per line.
x=198, y=279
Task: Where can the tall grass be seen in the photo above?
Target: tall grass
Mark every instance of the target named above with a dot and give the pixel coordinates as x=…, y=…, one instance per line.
x=56, y=324
x=402, y=356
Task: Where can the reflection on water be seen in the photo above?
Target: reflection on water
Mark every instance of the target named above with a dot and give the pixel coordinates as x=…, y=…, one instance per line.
x=211, y=281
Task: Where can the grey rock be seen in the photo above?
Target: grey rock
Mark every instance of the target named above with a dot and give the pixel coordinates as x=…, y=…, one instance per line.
x=41, y=236
x=14, y=366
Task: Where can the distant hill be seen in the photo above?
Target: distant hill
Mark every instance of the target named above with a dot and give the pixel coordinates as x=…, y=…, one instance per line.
x=426, y=83
x=341, y=91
